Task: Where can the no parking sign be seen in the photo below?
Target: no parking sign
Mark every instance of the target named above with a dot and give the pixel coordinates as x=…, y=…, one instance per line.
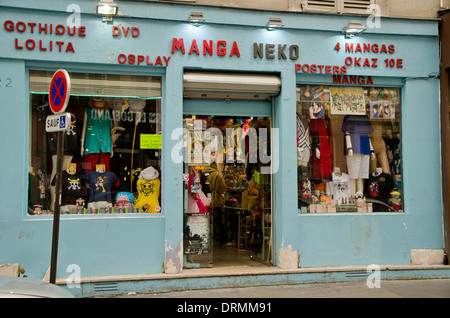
x=59, y=91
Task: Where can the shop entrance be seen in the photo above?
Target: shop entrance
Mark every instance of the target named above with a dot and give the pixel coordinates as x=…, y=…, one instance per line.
x=227, y=186
x=228, y=215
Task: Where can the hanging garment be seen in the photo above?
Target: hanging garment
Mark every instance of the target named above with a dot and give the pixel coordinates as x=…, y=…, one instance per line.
x=303, y=146
x=322, y=139
x=98, y=131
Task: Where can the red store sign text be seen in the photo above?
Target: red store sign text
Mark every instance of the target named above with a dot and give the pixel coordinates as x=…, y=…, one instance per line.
x=44, y=29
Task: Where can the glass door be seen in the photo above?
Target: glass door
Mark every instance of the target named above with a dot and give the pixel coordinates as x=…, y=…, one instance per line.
x=227, y=191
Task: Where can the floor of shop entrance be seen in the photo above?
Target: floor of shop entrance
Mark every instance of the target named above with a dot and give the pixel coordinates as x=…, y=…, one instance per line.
x=224, y=256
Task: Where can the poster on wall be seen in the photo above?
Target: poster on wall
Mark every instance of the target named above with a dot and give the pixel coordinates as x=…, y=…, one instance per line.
x=382, y=103
x=382, y=110
x=197, y=234
x=314, y=104
x=347, y=101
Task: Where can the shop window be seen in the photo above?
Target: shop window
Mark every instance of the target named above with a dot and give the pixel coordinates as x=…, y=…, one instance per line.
x=348, y=149
x=112, y=151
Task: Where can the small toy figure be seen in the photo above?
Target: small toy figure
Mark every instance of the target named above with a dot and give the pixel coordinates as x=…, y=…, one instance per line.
x=124, y=200
x=395, y=200
x=80, y=205
x=37, y=209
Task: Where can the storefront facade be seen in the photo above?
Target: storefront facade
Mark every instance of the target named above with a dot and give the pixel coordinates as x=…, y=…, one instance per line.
x=152, y=43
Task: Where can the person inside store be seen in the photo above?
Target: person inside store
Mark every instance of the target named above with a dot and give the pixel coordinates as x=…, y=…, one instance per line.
x=218, y=188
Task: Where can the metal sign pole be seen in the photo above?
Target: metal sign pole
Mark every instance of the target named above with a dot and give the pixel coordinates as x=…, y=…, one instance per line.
x=56, y=214
x=58, y=98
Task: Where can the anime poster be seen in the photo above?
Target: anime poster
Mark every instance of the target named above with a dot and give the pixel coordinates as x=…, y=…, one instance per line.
x=382, y=103
x=197, y=234
x=347, y=101
x=313, y=102
x=382, y=109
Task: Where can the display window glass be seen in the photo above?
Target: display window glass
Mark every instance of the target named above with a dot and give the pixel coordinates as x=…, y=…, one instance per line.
x=349, y=149
x=112, y=149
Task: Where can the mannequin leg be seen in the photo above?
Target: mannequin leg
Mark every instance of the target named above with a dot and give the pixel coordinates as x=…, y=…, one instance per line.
x=356, y=185
x=384, y=162
x=353, y=186
x=359, y=185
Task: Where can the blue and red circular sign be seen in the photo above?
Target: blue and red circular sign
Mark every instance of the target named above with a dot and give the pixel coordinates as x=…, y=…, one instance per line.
x=59, y=92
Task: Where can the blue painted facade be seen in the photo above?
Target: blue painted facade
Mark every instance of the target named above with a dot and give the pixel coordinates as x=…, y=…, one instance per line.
x=147, y=244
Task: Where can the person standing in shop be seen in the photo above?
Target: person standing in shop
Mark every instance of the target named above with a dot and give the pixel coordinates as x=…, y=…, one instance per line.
x=218, y=188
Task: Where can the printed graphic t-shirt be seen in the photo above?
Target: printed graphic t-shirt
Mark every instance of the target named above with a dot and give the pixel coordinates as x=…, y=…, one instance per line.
x=71, y=187
x=100, y=185
x=378, y=188
x=339, y=187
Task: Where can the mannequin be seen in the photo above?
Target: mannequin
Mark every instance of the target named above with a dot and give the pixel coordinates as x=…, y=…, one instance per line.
x=148, y=186
x=378, y=186
x=97, y=134
x=379, y=147
x=100, y=184
x=358, y=149
x=71, y=188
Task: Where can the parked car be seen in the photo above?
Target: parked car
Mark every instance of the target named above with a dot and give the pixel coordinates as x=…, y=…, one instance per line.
x=16, y=287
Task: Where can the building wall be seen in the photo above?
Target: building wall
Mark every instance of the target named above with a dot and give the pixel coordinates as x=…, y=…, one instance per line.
x=152, y=244
x=415, y=9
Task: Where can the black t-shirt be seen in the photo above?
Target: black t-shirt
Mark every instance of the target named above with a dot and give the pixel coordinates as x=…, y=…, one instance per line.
x=379, y=188
x=71, y=187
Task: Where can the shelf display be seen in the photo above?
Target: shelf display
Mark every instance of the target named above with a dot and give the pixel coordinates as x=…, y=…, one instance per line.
x=113, y=141
x=238, y=207
x=365, y=176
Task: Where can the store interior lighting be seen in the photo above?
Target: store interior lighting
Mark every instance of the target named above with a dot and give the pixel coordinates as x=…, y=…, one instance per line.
x=196, y=18
x=353, y=27
x=274, y=23
x=107, y=9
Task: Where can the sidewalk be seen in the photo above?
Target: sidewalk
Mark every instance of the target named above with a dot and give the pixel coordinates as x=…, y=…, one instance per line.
x=418, y=288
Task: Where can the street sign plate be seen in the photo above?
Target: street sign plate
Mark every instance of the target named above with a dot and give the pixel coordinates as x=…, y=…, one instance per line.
x=59, y=91
x=58, y=122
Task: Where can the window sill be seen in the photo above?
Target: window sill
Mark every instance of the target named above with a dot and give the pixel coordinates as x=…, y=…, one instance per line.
x=95, y=216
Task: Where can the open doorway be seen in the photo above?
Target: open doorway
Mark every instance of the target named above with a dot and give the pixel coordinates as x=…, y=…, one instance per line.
x=227, y=191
